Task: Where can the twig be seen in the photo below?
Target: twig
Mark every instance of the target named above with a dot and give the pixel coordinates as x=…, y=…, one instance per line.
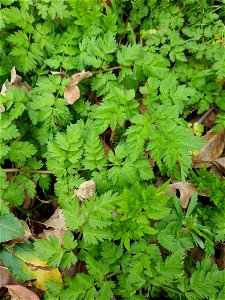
x=205, y=115
x=106, y=70
x=15, y=170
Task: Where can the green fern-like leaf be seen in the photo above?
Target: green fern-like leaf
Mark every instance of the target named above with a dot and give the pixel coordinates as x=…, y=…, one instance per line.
x=93, y=151
x=65, y=152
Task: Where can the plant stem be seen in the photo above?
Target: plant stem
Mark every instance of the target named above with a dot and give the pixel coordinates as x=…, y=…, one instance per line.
x=109, y=69
x=14, y=170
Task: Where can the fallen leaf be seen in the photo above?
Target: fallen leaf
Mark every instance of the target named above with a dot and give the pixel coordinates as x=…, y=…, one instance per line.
x=42, y=275
x=4, y=87
x=27, y=232
x=57, y=224
x=85, y=190
x=14, y=81
x=26, y=86
x=57, y=220
x=2, y=108
x=24, y=263
x=13, y=75
x=19, y=292
x=72, y=92
x=210, y=120
x=76, y=78
x=186, y=191
x=216, y=171
x=58, y=232
x=6, y=277
x=213, y=149
x=62, y=75
x=220, y=164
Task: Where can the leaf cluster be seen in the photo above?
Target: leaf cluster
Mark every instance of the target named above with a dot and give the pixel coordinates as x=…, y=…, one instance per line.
x=153, y=64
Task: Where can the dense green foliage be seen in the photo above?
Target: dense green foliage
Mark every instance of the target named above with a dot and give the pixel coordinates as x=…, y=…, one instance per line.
x=153, y=63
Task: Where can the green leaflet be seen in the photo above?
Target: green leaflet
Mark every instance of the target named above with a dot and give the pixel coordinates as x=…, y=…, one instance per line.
x=56, y=254
x=94, y=226
x=66, y=150
x=10, y=228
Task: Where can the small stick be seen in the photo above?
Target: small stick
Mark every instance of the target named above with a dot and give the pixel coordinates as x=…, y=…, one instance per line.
x=14, y=170
x=205, y=115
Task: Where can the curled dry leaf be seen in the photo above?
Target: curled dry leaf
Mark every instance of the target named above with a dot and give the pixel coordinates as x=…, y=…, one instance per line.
x=186, y=191
x=214, y=148
x=14, y=76
x=16, y=81
x=61, y=74
x=85, y=190
x=19, y=292
x=76, y=78
x=72, y=92
x=4, y=88
x=2, y=108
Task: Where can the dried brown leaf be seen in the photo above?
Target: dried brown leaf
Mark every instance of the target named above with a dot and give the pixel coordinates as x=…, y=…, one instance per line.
x=14, y=81
x=6, y=277
x=57, y=220
x=216, y=171
x=26, y=86
x=4, y=87
x=186, y=190
x=76, y=78
x=220, y=163
x=2, y=108
x=19, y=292
x=214, y=148
x=85, y=190
x=210, y=120
x=13, y=75
x=72, y=92
x=57, y=224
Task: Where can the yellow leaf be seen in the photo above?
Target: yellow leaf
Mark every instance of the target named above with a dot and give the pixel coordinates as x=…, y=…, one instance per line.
x=43, y=274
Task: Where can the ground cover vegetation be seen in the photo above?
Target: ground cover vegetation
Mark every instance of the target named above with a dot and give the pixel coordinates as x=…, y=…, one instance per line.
x=112, y=149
